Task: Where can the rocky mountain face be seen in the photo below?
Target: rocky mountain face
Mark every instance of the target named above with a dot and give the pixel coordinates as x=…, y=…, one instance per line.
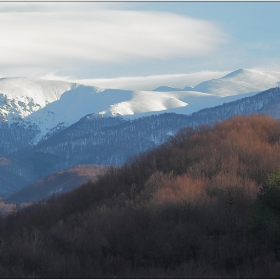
x=20, y=97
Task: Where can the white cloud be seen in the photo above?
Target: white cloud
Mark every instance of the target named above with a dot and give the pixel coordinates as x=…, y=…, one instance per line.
x=78, y=39
x=53, y=76
x=145, y=83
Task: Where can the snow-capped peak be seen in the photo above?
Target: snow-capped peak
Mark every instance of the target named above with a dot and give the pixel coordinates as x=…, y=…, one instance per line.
x=41, y=91
x=240, y=71
x=53, y=104
x=240, y=81
x=19, y=97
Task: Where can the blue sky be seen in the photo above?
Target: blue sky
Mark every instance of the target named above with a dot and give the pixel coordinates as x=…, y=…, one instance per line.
x=116, y=44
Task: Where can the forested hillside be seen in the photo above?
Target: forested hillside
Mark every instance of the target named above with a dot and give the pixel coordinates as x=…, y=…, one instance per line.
x=190, y=208
x=56, y=183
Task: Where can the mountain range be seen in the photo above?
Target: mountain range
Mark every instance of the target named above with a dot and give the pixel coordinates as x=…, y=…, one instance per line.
x=52, y=105
x=49, y=126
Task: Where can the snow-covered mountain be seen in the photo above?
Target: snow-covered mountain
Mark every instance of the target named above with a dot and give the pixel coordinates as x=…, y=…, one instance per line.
x=20, y=97
x=75, y=104
x=96, y=139
x=167, y=88
x=111, y=140
x=81, y=100
x=47, y=126
x=240, y=81
x=237, y=82
x=37, y=108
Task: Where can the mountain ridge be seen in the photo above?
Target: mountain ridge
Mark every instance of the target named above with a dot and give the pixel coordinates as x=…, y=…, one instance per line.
x=53, y=105
x=56, y=183
x=24, y=96
x=112, y=140
x=240, y=81
x=99, y=138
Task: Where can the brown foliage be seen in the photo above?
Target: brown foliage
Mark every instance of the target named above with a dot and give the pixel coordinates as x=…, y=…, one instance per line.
x=178, y=211
x=181, y=189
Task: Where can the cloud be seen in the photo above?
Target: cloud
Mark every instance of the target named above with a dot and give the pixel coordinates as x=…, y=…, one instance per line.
x=57, y=40
x=53, y=76
x=145, y=83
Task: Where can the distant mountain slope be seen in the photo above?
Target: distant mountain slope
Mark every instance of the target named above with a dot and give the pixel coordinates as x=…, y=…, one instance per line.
x=236, y=82
x=240, y=81
x=19, y=97
x=113, y=144
x=56, y=183
x=92, y=140
x=75, y=126
x=89, y=124
x=76, y=103
x=32, y=109
x=266, y=103
x=83, y=100
x=105, y=141
x=167, y=88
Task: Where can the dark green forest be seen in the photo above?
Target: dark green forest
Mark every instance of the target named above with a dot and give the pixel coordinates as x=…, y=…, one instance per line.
x=205, y=204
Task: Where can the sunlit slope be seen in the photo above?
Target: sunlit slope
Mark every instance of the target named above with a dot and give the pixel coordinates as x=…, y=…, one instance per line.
x=19, y=97
x=240, y=81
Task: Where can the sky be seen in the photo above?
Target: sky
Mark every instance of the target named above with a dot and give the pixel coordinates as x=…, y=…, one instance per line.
x=137, y=45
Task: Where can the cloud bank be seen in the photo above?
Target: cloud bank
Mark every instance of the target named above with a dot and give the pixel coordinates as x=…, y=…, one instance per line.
x=144, y=83
x=59, y=40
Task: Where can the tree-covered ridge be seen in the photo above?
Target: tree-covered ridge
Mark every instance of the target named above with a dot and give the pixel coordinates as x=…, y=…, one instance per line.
x=186, y=209
x=56, y=183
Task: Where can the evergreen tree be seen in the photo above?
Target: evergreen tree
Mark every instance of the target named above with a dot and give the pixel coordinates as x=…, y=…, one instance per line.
x=266, y=216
